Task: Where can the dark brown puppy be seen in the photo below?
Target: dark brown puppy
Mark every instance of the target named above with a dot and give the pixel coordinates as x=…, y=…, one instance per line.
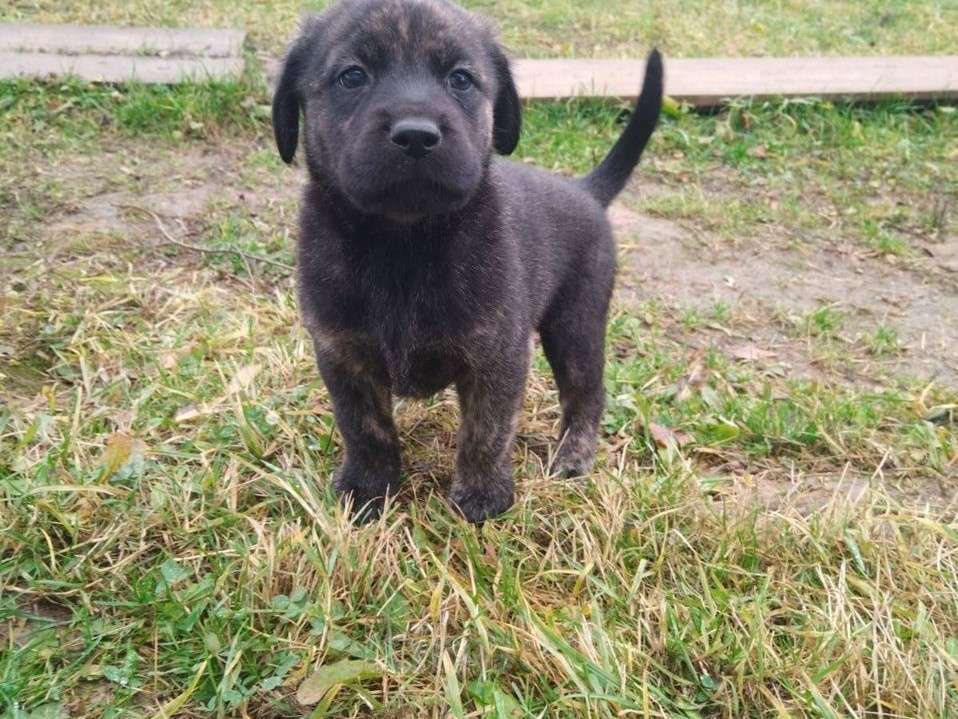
x=424, y=261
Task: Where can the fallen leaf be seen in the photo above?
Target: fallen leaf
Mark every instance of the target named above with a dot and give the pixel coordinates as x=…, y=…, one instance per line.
x=117, y=452
x=187, y=413
x=698, y=375
x=121, y=451
x=243, y=378
x=490, y=554
x=346, y=671
x=666, y=436
x=751, y=353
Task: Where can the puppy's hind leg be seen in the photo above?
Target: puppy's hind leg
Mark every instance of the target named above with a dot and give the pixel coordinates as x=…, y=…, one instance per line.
x=363, y=408
x=573, y=338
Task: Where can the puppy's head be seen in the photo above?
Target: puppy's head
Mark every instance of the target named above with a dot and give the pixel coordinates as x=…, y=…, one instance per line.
x=403, y=103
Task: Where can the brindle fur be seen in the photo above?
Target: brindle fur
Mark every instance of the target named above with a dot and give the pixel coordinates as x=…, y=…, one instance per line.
x=415, y=274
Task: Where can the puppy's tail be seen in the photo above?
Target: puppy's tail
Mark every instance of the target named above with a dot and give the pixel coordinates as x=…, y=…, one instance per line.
x=607, y=180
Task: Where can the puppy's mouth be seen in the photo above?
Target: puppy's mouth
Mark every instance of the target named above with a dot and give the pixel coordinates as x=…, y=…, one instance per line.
x=414, y=198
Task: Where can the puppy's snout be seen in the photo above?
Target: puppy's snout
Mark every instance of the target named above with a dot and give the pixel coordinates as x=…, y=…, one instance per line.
x=416, y=136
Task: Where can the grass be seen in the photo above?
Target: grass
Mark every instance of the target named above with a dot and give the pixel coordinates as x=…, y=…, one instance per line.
x=873, y=175
x=155, y=557
x=78, y=111
x=591, y=27
x=169, y=545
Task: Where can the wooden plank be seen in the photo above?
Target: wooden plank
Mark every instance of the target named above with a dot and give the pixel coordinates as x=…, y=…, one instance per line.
x=711, y=81
x=162, y=55
x=119, y=68
x=109, y=40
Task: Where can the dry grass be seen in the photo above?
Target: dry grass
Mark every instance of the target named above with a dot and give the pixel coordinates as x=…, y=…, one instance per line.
x=169, y=545
x=587, y=28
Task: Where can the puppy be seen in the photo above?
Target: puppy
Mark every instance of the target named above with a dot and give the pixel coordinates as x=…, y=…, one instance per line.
x=424, y=261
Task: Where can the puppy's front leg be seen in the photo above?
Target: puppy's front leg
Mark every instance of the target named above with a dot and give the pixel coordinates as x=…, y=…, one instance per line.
x=363, y=407
x=489, y=406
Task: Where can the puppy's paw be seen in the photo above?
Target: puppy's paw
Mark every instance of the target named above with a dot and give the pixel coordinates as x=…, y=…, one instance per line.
x=365, y=495
x=575, y=457
x=479, y=503
x=572, y=468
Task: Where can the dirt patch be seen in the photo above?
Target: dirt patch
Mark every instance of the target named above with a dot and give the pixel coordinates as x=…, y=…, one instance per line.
x=808, y=494
x=110, y=212
x=30, y=617
x=114, y=196
x=945, y=254
x=661, y=260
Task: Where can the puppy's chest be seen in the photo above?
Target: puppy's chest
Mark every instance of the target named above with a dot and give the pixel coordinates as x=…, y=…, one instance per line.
x=419, y=335
x=422, y=346
x=415, y=362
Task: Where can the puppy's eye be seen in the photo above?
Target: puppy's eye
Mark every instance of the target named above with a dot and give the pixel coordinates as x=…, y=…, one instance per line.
x=353, y=78
x=460, y=81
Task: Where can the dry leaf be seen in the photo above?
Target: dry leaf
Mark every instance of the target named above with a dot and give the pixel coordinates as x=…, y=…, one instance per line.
x=121, y=449
x=490, y=554
x=243, y=378
x=666, y=436
x=345, y=671
x=168, y=360
x=188, y=413
x=751, y=353
x=118, y=449
x=698, y=375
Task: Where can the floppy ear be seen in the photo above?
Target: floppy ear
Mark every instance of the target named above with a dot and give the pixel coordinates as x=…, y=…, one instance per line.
x=287, y=102
x=507, y=111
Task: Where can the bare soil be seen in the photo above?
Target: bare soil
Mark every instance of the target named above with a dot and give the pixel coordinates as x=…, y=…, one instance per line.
x=773, y=288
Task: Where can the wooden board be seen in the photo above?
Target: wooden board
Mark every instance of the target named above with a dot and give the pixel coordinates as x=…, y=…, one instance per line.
x=120, y=68
x=120, y=54
x=111, y=40
x=711, y=81
x=164, y=55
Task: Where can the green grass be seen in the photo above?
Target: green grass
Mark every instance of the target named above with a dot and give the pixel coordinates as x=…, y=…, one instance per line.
x=880, y=175
x=169, y=545
x=591, y=27
x=74, y=110
x=807, y=168
x=885, y=341
x=156, y=557
x=823, y=322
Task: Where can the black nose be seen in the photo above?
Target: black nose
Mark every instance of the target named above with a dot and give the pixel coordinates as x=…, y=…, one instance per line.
x=416, y=136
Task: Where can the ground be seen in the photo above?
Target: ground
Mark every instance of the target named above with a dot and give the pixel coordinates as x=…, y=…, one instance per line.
x=770, y=530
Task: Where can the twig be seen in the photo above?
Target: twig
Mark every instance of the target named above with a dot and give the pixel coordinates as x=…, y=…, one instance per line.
x=245, y=256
